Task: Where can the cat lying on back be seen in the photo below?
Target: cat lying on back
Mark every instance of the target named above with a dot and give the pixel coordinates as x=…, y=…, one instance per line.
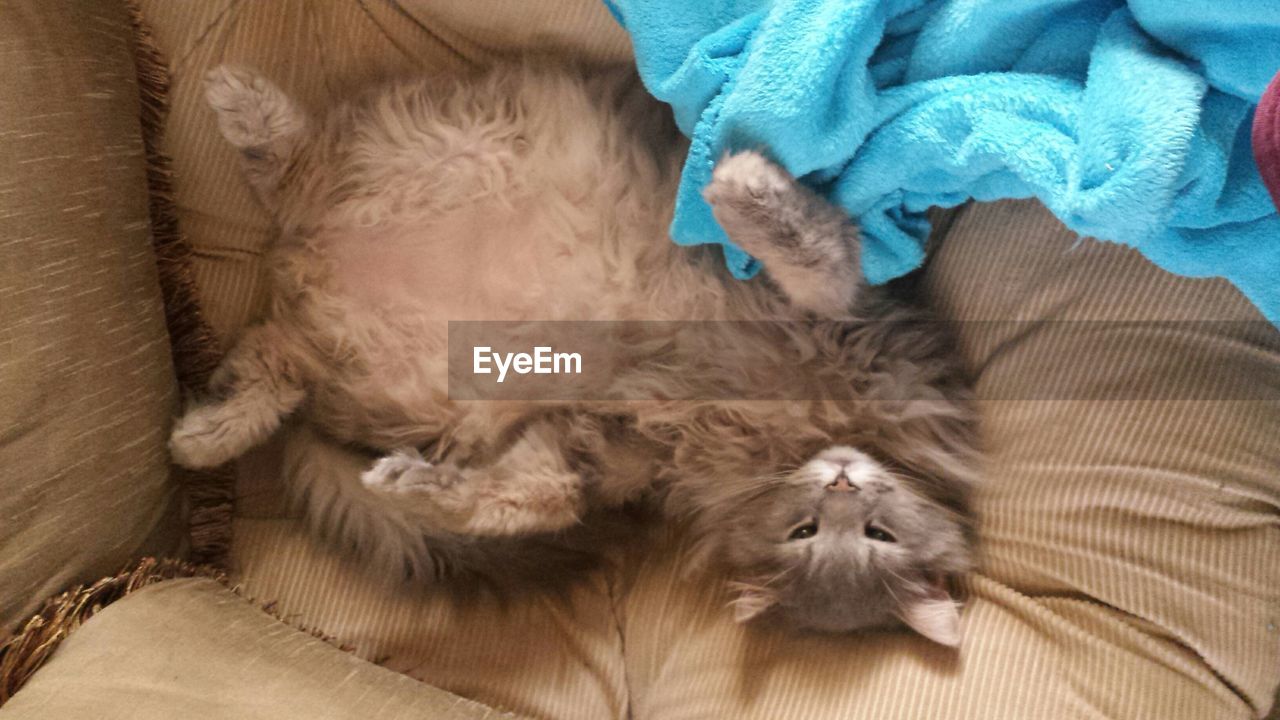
x=544, y=194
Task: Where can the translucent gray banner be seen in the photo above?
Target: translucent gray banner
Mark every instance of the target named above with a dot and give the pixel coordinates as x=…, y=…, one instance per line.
x=749, y=361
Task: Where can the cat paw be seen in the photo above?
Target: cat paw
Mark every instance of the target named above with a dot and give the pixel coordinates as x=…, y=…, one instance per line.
x=747, y=180
x=749, y=196
x=201, y=440
x=405, y=471
x=220, y=379
x=252, y=112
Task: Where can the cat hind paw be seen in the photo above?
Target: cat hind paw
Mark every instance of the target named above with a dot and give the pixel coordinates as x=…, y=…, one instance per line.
x=252, y=111
x=405, y=471
x=747, y=180
x=749, y=196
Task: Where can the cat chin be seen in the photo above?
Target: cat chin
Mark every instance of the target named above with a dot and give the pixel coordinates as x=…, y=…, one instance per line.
x=935, y=620
x=929, y=610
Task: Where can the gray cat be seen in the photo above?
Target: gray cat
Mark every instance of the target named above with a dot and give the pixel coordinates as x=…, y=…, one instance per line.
x=533, y=193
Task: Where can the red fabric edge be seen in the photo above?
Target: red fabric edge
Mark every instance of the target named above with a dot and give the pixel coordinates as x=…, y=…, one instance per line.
x=1266, y=139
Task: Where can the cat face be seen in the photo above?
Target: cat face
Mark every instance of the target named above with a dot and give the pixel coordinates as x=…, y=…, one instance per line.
x=843, y=544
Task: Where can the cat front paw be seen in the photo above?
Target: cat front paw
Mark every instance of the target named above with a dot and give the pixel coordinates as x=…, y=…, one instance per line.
x=200, y=439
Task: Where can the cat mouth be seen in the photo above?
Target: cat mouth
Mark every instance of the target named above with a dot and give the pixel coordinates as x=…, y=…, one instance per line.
x=842, y=484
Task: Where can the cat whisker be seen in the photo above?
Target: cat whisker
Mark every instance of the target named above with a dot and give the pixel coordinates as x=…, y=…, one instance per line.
x=780, y=576
x=756, y=485
x=889, y=589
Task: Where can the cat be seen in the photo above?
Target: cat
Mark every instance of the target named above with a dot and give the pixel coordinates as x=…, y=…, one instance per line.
x=540, y=192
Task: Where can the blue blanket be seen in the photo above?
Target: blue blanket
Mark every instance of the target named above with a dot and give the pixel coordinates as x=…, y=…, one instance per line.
x=1130, y=121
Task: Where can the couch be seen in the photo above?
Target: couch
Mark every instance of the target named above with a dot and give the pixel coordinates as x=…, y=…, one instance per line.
x=1129, y=517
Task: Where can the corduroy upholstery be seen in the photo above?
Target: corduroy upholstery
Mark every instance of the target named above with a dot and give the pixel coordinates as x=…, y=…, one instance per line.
x=1130, y=520
x=1108, y=525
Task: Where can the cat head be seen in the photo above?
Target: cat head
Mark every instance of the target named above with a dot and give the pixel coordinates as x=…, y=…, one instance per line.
x=844, y=543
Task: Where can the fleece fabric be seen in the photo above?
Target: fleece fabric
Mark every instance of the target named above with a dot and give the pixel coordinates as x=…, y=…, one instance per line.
x=1129, y=120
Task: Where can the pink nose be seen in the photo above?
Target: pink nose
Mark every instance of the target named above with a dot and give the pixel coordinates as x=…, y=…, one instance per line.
x=842, y=484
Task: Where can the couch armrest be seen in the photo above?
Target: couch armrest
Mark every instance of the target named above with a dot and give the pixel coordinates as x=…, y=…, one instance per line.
x=86, y=381
x=192, y=649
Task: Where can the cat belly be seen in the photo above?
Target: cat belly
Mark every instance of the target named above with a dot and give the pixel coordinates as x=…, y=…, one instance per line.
x=392, y=290
x=489, y=261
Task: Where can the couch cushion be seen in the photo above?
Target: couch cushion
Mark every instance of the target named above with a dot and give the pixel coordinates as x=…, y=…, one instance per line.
x=540, y=656
x=1109, y=633
x=192, y=649
x=86, y=382
x=1128, y=521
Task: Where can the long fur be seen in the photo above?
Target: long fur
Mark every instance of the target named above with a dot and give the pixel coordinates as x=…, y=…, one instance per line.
x=534, y=193
x=323, y=480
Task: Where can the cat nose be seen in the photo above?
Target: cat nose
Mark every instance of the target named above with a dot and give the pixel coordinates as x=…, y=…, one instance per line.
x=842, y=484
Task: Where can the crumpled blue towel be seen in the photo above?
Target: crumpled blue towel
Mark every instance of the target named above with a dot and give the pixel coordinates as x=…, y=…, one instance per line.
x=1129, y=120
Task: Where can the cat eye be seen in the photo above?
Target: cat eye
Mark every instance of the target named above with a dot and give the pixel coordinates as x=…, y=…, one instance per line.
x=804, y=531
x=879, y=534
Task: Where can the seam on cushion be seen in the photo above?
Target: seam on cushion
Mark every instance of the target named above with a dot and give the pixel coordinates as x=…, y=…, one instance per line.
x=364, y=8
x=1144, y=626
x=615, y=605
x=222, y=252
x=395, y=7
x=313, y=24
x=1037, y=609
x=204, y=34
x=451, y=44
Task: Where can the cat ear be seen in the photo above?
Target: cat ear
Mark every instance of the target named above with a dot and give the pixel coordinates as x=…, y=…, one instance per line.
x=935, y=614
x=751, y=602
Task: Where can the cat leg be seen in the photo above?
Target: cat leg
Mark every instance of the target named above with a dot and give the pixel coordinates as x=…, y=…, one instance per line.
x=259, y=385
x=529, y=488
x=260, y=121
x=808, y=246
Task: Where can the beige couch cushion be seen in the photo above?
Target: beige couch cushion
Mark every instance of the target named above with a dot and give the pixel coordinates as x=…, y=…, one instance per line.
x=1126, y=543
x=86, y=383
x=1128, y=546
x=193, y=650
x=536, y=656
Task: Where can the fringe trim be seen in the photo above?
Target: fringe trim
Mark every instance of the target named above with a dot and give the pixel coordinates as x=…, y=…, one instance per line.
x=32, y=645
x=29, y=648
x=196, y=352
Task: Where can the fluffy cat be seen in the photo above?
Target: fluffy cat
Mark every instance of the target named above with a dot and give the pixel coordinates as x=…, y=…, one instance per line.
x=537, y=193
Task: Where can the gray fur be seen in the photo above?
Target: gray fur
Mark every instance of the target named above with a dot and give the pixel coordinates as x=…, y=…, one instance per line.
x=536, y=194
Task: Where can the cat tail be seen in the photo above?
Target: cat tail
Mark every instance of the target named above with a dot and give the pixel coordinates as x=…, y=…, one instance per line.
x=259, y=120
x=324, y=481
